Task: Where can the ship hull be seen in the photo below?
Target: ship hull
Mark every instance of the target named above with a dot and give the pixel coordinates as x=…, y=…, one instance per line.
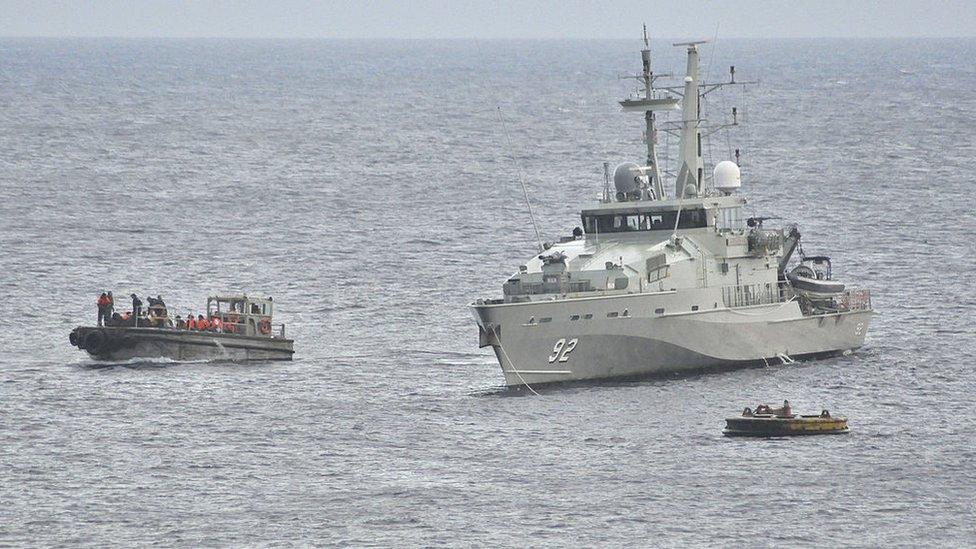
x=646, y=344
x=126, y=343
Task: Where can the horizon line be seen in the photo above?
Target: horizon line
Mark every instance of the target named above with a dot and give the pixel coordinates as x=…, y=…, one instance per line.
x=459, y=38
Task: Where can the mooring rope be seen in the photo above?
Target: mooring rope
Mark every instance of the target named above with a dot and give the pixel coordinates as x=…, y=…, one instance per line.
x=509, y=359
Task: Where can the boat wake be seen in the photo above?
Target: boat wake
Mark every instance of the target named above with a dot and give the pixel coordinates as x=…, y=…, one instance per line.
x=155, y=362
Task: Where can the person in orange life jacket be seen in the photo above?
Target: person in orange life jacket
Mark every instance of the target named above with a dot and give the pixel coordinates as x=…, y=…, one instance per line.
x=103, y=313
x=202, y=323
x=215, y=324
x=191, y=323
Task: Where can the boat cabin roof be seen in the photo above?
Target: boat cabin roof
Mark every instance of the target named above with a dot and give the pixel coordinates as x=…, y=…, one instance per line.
x=243, y=304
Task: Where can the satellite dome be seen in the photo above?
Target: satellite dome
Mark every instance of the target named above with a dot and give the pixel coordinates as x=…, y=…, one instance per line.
x=625, y=178
x=726, y=177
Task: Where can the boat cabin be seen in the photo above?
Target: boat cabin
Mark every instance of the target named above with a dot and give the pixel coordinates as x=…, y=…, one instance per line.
x=245, y=315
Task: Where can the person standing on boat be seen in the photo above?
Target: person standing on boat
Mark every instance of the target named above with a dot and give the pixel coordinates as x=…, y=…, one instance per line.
x=103, y=307
x=136, y=308
x=111, y=306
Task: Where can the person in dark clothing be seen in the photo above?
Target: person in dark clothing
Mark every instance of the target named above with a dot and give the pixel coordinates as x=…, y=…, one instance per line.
x=111, y=305
x=162, y=305
x=136, y=308
x=103, y=312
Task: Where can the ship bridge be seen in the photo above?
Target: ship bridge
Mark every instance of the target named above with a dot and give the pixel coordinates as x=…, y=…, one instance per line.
x=721, y=212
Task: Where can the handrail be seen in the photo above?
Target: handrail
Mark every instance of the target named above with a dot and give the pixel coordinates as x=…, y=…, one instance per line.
x=855, y=299
x=744, y=295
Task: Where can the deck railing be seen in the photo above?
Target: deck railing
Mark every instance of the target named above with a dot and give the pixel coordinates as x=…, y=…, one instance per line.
x=856, y=299
x=755, y=294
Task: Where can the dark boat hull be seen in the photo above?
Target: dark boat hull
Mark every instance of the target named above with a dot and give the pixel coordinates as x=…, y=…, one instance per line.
x=125, y=343
x=771, y=426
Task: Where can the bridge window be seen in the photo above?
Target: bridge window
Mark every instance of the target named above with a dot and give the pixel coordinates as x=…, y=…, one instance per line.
x=658, y=221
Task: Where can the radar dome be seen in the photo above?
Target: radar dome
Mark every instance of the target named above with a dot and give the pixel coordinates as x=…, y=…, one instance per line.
x=625, y=178
x=726, y=177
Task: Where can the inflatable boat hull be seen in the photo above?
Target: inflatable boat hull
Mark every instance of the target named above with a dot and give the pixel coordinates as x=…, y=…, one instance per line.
x=125, y=343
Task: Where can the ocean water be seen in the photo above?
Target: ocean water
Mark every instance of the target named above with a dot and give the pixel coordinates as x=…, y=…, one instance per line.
x=369, y=187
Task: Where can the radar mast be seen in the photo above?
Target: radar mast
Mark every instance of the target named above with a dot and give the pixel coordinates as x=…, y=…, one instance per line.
x=649, y=104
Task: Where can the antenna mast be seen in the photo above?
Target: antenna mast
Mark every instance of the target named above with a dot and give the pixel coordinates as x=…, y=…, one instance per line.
x=649, y=104
x=650, y=133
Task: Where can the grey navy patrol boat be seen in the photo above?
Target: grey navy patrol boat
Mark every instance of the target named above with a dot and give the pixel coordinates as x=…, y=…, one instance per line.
x=674, y=280
x=246, y=333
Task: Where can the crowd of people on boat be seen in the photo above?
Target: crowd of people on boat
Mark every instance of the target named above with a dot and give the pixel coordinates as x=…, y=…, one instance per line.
x=156, y=315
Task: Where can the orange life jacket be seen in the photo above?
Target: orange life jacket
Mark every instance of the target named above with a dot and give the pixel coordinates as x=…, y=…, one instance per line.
x=103, y=301
x=202, y=324
x=215, y=323
x=191, y=323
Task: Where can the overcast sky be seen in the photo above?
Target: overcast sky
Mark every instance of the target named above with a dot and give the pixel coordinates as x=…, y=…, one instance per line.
x=486, y=19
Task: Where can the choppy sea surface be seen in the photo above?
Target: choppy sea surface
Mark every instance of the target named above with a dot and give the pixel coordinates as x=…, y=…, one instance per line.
x=369, y=187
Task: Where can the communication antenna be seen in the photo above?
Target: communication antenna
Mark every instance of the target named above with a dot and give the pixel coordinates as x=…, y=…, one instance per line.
x=511, y=149
x=518, y=169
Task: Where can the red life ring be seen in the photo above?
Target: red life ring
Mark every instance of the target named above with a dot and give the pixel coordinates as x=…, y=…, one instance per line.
x=264, y=326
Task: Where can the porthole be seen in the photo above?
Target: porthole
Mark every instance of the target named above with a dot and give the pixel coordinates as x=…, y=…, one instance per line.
x=613, y=314
x=659, y=311
x=574, y=317
x=694, y=307
x=587, y=316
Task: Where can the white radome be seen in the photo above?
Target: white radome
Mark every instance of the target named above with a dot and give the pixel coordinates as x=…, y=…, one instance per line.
x=726, y=176
x=625, y=177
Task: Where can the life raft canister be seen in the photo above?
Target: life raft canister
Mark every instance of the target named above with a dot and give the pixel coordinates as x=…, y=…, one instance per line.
x=264, y=326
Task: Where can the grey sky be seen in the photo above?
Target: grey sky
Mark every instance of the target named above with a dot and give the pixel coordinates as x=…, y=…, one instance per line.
x=486, y=19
